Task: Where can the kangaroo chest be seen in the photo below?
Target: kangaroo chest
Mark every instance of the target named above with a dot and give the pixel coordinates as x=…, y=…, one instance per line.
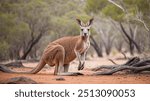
x=82, y=46
x=86, y=46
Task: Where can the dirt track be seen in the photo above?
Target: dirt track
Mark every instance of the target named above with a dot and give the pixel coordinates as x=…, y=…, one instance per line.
x=49, y=78
x=46, y=75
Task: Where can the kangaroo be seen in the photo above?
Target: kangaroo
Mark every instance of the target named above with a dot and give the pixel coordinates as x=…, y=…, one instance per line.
x=61, y=52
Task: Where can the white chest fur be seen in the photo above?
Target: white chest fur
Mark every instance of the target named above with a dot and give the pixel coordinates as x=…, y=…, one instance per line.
x=86, y=45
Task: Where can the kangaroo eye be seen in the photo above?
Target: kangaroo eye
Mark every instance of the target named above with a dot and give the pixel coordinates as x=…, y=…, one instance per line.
x=81, y=29
x=88, y=29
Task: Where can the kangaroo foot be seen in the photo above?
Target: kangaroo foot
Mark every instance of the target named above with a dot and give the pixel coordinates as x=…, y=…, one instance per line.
x=81, y=66
x=70, y=74
x=78, y=73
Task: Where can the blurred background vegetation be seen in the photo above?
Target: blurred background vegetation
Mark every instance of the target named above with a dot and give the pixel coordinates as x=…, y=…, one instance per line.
x=27, y=26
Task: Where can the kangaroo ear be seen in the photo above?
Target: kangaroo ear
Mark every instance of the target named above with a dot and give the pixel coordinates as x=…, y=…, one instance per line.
x=79, y=22
x=90, y=21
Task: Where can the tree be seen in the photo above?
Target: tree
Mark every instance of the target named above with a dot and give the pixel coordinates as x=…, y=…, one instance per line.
x=30, y=21
x=24, y=22
x=129, y=15
x=97, y=46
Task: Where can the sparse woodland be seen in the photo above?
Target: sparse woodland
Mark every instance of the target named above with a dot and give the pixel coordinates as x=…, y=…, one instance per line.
x=120, y=26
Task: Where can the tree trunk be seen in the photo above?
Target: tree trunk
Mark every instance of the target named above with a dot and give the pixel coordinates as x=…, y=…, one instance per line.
x=131, y=40
x=31, y=45
x=97, y=48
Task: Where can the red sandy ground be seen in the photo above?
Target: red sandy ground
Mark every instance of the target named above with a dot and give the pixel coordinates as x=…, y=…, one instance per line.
x=46, y=76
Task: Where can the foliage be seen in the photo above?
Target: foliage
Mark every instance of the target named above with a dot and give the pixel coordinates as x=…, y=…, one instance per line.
x=132, y=13
x=22, y=21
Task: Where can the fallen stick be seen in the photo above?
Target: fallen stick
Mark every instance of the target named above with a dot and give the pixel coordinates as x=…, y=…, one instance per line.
x=135, y=65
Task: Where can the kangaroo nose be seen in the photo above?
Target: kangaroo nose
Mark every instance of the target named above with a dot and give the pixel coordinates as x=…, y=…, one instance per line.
x=85, y=34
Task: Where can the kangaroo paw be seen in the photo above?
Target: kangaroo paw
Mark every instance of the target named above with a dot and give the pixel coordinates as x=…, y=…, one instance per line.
x=81, y=66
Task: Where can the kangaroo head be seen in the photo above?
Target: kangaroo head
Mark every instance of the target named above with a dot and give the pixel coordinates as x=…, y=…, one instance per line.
x=85, y=28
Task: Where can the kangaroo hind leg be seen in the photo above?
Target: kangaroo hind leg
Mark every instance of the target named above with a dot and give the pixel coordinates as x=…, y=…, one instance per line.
x=60, y=68
x=64, y=71
x=66, y=67
x=59, y=60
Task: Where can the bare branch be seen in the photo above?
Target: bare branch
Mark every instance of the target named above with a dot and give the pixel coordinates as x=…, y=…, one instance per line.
x=135, y=65
x=113, y=2
x=112, y=61
x=125, y=57
x=129, y=38
x=139, y=17
x=142, y=21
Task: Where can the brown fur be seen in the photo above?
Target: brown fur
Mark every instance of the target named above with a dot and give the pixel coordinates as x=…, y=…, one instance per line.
x=61, y=52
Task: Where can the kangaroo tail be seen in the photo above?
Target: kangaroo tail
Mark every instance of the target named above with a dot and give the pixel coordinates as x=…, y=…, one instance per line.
x=40, y=65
